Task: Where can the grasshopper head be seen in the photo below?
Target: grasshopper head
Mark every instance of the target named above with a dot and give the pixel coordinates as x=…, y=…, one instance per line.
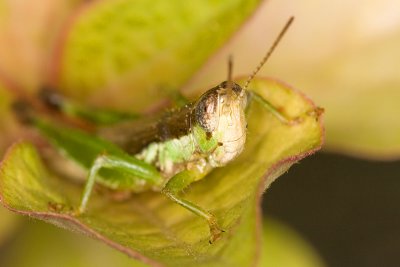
x=221, y=113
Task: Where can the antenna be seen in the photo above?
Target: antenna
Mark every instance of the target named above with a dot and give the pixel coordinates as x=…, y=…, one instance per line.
x=266, y=57
x=230, y=69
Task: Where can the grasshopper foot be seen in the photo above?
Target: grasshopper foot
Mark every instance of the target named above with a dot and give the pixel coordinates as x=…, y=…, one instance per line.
x=295, y=121
x=78, y=212
x=314, y=112
x=215, y=231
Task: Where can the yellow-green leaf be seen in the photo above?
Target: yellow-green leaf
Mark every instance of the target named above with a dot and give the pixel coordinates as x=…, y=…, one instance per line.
x=131, y=51
x=151, y=228
x=9, y=128
x=41, y=245
x=282, y=246
x=8, y=224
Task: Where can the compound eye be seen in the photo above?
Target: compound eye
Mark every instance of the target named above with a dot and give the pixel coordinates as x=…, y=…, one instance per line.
x=207, y=111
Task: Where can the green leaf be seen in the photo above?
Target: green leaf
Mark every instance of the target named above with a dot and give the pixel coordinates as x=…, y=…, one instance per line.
x=282, y=246
x=9, y=133
x=151, y=228
x=132, y=50
x=9, y=128
x=40, y=245
x=8, y=223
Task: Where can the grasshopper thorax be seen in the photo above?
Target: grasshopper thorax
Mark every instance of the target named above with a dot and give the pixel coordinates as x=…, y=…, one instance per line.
x=220, y=112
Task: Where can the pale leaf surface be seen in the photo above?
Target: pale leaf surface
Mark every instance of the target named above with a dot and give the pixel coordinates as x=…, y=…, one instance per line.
x=151, y=228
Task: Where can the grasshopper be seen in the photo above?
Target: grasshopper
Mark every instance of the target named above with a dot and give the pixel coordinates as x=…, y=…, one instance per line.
x=165, y=154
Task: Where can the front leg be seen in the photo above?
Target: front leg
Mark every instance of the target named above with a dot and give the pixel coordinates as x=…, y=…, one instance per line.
x=275, y=111
x=179, y=182
x=268, y=106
